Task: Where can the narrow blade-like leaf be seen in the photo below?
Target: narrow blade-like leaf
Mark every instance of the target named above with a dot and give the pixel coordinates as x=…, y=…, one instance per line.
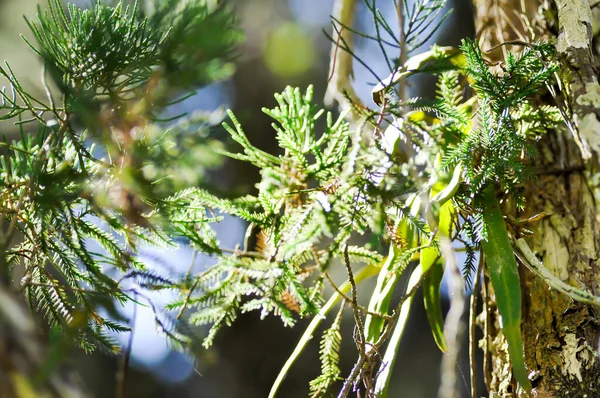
x=433, y=303
x=504, y=275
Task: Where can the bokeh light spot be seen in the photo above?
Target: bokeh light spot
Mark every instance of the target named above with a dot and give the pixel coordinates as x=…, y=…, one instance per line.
x=289, y=51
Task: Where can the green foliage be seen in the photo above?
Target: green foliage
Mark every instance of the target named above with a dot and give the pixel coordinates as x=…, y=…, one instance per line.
x=504, y=274
x=461, y=147
x=199, y=42
x=100, y=49
x=496, y=150
x=89, y=185
x=111, y=50
x=424, y=181
x=433, y=304
x=330, y=357
x=489, y=140
x=310, y=200
x=320, y=193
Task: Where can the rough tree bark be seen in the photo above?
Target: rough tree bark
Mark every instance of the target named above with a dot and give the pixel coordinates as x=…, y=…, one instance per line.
x=560, y=335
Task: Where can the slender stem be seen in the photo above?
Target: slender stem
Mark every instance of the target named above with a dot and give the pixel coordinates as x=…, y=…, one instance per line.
x=188, y=274
x=65, y=286
x=187, y=299
x=384, y=376
x=403, y=51
x=243, y=253
x=364, y=273
x=472, y=327
x=357, y=318
x=121, y=376
x=8, y=235
x=349, y=300
x=487, y=378
x=398, y=316
x=527, y=257
x=362, y=358
x=47, y=88
x=358, y=328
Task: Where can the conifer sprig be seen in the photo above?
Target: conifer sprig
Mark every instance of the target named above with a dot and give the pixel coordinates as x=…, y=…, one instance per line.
x=85, y=190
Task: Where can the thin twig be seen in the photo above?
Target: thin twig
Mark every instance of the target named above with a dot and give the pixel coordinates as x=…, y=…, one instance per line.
x=362, y=358
x=187, y=278
x=357, y=318
x=384, y=375
x=8, y=235
x=486, y=332
x=358, y=328
x=510, y=23
x=403, y=51
x=191, y=267
x=187, y=299
x=410, y=293
x=510, y=43
x=499, y=26
x=334, y=55
x=472, y=328
x=62, y=287
x=47, y=88
x=243, y=253
x=121, y=376
x=350, y=301
x=361, y=275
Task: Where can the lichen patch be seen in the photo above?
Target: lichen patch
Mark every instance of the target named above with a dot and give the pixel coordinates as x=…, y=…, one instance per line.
x=589, y=126
x=576, y=356
x=556, y=258
x=591, y=96
x=575, y=19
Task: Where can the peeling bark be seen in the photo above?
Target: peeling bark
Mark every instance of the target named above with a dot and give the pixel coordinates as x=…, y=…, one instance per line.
x=579, y=72
x=560, y=336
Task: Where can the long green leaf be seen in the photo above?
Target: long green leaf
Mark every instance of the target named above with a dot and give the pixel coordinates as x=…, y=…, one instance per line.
x=504, y=275
x=433, y=303
x=382, y=295
x=430, y=258
x=389, y=276
x=384, y=376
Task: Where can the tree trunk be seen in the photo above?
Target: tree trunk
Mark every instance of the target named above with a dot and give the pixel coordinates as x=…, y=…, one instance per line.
x=560, y=336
